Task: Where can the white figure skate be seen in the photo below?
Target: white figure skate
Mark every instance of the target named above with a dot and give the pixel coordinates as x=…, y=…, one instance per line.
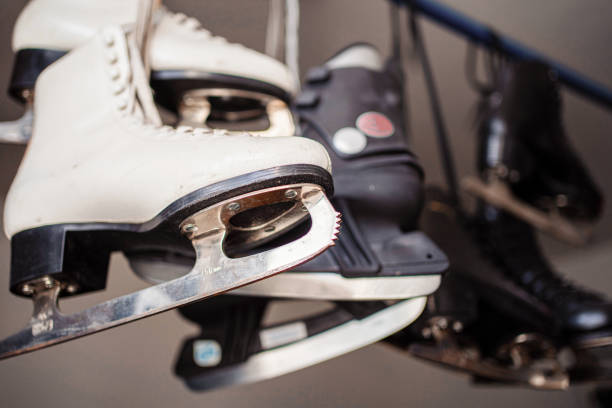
x=100, y=174
x=195, y=74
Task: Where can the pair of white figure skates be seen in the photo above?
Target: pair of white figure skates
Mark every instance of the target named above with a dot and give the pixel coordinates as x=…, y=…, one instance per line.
x=103, y=174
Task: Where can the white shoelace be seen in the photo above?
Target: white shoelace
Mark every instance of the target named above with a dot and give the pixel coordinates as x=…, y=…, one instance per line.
x=140, y=95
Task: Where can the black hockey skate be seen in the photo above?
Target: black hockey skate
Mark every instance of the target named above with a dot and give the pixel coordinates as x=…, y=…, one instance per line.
x=235, y=347
x=353, y=105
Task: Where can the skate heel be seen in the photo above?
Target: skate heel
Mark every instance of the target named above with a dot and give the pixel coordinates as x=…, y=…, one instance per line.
x=29, y=63
x=71, y=257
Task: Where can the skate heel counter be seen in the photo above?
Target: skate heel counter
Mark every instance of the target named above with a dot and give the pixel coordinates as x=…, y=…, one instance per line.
x=28, y=65
x=56, y=252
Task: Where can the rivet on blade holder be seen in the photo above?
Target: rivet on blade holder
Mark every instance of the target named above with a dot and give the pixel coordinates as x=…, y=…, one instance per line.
x=233, y=206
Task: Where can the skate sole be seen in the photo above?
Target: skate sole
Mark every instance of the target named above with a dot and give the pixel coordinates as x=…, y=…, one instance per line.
x=343, y=337
x=30, y=62
x=73, y=258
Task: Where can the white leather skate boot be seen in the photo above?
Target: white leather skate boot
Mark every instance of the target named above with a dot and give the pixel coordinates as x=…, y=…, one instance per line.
x=195, y=74
x=101, y=175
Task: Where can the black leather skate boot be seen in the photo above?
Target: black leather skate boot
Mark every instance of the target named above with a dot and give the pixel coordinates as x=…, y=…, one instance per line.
x=527, y=165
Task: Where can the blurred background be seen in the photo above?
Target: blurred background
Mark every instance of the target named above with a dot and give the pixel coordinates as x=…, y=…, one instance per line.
x=132, y=365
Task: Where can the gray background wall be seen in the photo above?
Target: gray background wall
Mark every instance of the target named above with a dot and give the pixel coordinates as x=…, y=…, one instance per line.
x=131, y=365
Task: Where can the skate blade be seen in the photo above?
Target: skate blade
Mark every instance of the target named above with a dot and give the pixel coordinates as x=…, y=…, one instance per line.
x=498, y=194
x=467, y=360
x=18, y=131
x=316, y=349
x=333, y=286
x=195, y=110
x=212, y=274
x=599, y=339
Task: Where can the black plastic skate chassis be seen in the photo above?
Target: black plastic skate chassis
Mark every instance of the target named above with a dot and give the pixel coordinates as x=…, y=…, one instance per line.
x=234, y=348
x=378, y=189
x=203, y=217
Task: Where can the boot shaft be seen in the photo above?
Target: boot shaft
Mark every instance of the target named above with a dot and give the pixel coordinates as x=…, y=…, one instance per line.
x=522, y=141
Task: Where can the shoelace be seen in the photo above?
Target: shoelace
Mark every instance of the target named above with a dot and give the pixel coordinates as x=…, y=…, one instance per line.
x=141, y=103
x=140, y=96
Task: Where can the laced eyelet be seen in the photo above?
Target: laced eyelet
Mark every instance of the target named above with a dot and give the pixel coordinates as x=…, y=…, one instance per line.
x=109, y=39
x=220, y=132
x=118, y=88
x=112, y=57
x=114, y=73
x=184, y=129
x=122, y=103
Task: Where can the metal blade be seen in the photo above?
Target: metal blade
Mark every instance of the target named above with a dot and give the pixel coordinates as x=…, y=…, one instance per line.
x=464, y=361
x=325, y=286
x=213, y=273
x=331, y=343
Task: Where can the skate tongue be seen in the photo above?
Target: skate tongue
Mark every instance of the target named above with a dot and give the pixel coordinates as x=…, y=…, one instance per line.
x=360, y=55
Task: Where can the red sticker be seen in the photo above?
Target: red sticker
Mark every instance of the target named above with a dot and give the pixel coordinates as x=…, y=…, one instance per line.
x=375, y=124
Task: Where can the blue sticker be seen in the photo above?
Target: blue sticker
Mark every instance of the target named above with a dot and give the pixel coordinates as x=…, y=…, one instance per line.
x=206, y=353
